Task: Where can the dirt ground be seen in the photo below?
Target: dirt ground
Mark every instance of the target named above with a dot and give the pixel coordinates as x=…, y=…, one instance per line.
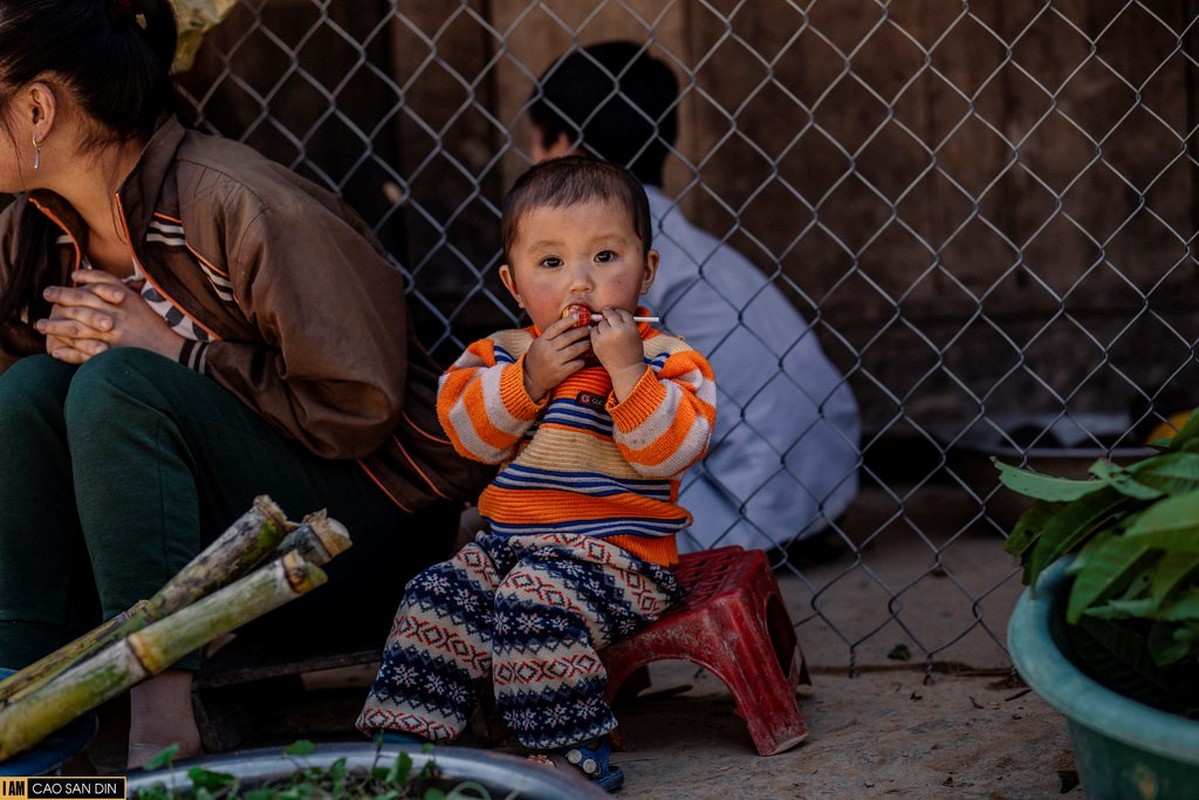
x=881, y=734
x=958, y=724
x=951, y=721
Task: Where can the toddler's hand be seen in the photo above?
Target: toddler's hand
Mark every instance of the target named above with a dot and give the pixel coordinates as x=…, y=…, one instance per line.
x=555, y=355
x=617, y=344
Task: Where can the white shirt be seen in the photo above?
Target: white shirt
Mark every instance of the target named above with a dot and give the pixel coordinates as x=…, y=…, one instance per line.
x=784, y=455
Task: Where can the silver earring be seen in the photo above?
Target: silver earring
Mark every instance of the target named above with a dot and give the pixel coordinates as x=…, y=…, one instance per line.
x=37, y=154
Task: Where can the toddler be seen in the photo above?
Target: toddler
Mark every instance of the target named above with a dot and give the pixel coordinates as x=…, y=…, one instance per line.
x=594, y=415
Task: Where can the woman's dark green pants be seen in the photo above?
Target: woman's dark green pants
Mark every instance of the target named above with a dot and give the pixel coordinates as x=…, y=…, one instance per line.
x=115, y=474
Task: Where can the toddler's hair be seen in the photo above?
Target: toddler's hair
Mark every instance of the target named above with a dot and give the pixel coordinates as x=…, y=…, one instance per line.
x=568, y=181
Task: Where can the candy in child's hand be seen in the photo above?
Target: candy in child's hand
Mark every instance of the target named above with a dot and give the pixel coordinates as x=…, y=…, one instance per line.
x=584, y=314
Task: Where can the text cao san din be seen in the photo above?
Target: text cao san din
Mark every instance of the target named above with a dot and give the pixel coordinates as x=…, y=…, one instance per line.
x=60, y=788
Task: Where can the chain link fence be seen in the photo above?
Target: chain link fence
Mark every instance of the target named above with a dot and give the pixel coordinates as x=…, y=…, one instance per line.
x=986, y=211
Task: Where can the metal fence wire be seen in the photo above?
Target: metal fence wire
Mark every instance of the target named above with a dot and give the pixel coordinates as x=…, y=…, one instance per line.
x=986, y=211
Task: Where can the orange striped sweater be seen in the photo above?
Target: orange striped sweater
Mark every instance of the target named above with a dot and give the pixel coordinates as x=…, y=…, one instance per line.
x=579, y=462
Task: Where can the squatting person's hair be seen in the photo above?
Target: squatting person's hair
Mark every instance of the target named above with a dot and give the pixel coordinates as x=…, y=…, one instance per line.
x=616, y=100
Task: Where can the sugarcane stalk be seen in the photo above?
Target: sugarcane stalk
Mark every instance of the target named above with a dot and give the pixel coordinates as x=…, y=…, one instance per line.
x=244, y=545
x=318, y=538
x=37, y=673
x=144, y=653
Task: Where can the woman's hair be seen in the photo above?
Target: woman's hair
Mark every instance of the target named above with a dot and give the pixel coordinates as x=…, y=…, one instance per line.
x=568, y=181
x=113, y=57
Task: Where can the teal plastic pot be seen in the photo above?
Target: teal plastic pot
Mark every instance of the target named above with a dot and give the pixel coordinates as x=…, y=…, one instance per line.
x=1123, y=749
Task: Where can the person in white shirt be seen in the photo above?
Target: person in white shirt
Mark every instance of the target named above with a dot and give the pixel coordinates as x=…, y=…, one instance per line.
x=783, y=462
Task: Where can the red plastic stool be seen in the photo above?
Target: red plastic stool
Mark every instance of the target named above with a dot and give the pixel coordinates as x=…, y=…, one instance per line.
x=734, y=624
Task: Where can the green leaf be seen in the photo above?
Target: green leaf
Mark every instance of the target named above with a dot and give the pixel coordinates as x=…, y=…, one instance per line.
x=1172, y=569
x=1178, y=541
x=1171, y=524
x=1108, y=561
x=1073, y=525
x=1029, y=527
x=1141, y=608
x=400, y=770
x=1125, y=485
x=158, y=791
x=1138, y=584
x=203, y=778
x=337, y=774
x=163, y=758
x=1171, y=643
x=1164, y=647
x=1043, y=487
x=300, y=747
x=1183, y=608
x=1171, y=473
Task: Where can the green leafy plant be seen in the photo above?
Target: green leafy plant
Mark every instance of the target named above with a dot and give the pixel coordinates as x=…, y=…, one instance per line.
x=397, y=780
x=1132, y=533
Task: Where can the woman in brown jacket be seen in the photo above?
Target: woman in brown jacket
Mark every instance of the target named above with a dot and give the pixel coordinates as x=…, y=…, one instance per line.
x=185, y=325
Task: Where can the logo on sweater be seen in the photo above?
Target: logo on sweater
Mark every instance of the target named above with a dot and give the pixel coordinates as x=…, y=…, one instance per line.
x=599, y=401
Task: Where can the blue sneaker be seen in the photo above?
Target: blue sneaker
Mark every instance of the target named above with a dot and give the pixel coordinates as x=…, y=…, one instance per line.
x=590, y=758
x=388, y=736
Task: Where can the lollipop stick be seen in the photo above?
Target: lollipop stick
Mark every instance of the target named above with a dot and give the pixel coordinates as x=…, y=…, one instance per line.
x=595, y=318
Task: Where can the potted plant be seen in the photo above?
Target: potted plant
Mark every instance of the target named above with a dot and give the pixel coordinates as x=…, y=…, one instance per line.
x=1107, y=631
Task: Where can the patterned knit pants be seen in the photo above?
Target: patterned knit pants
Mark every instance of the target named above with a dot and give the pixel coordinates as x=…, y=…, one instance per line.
x=529, y=612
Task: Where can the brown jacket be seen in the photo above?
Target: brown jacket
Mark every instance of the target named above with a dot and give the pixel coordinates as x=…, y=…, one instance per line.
x=306, y=316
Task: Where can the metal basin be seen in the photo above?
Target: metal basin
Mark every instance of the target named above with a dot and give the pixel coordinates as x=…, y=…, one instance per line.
x=503, y=775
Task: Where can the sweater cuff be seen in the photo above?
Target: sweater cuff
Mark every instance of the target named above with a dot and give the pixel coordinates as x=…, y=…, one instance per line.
x=647, y=395
x=513, y=394
x=194, y=355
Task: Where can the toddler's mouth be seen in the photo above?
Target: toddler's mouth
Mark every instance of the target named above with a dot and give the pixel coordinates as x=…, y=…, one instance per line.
x=585, y=315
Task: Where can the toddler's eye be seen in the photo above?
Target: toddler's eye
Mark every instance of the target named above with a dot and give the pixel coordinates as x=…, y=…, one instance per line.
x=551, y=261
x=605, y=255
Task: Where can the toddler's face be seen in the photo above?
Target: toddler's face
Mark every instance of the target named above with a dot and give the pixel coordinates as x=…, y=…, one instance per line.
x=586, y=254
